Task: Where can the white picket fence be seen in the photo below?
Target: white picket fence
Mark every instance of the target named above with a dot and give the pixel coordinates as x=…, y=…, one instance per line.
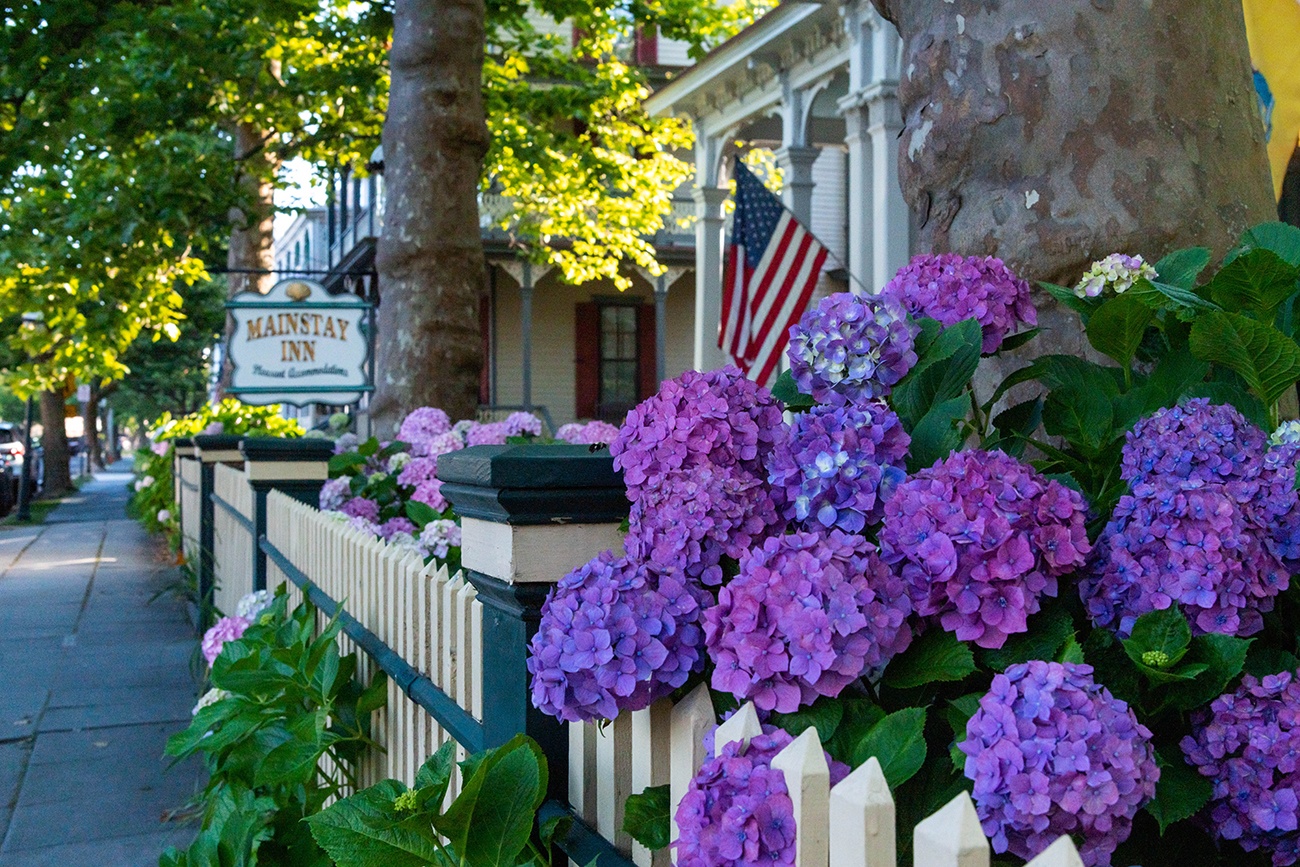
x=431, y=619
x=188, y=471
x=232, y=543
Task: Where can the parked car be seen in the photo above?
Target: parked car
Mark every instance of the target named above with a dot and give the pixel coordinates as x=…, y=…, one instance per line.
x=11, y=464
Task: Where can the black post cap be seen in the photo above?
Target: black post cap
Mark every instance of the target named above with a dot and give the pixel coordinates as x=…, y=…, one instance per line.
x=301, y=449
x=217, y=442
x=534, y=484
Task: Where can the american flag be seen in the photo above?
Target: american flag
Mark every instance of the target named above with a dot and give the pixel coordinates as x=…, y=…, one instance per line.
x=772, y=267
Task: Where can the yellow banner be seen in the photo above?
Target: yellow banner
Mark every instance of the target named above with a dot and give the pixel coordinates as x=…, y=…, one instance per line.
x=1273, y=28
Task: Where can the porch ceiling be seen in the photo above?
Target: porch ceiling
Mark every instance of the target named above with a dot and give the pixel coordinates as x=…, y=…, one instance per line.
x=740, y=80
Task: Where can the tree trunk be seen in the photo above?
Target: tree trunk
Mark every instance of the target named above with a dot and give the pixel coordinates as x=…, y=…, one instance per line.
x=1052, y=134
x=57, y=477
x=430, y=260
x=90, y=421
x=251, y=226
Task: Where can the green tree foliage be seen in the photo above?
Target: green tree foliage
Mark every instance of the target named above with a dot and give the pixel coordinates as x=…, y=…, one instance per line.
x=588, y=174
x=116, y=168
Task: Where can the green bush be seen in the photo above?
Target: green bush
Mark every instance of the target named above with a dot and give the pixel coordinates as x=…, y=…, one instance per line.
x=285, y=706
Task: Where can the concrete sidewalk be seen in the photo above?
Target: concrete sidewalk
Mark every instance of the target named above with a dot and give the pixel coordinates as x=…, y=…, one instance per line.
x=93, y=679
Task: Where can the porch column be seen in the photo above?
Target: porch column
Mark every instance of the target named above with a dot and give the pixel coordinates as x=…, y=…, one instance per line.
x=709, y=195
x=890, y=216
x=861, y=181
x=796, y=162
x=526, y=335
x=661, y=283
x=525, y=274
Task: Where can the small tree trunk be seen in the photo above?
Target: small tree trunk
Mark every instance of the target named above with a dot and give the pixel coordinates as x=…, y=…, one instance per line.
x=1052, y=134
x=90, y=421
x=57, y=478
x=251, y=227
x=430, y=260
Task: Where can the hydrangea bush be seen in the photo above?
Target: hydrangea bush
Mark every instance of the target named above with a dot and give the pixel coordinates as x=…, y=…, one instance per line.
x=1074, y=603
x=391, y=489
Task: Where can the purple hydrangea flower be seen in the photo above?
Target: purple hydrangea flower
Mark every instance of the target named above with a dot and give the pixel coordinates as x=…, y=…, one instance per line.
x=585, y=434
x=348, y=442
x=1197, y=441
x=439, y=537
x=850, y=349
x=393, y=526
x=523, y=424
x=1210, y=524
x=493, y=433
x=806, y=616
x=422, y=425
x=950, y=288
x=418, y=471
x=693, y=460
x=837, y=465
x=361, y=507
x=334, y=493
x=979, y=537
x=225, y=629
x=737, y=810
x=615, y=635
x=1248, y=744
x=1051, y=752
x=429, y=492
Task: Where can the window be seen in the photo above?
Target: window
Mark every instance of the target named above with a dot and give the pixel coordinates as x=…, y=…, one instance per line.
x=297, y=249
x=618, y=361
x=614, y=358
x=306, y=249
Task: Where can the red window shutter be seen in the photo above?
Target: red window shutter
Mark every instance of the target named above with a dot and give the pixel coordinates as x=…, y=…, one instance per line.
x=485, y=337
x=648, y=383
x=586, y=358
x=645, y=43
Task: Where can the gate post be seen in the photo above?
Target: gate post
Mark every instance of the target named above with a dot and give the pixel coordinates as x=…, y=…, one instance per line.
x=529, y=515
x=210, y=449
x=298, y=467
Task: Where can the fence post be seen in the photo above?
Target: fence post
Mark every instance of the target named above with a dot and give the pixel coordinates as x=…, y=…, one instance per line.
x=210, y=449
x=529, y=515
x=298, y=467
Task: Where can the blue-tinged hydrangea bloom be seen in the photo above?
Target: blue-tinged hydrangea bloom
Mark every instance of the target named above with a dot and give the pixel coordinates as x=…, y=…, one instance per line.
x=979, y=538
x=1209, y=525
x=851, y=349
x=1287, y=433
x=1248, y=744
x=693, y=459
x=1197, y=441
x=615, y=635
x=1051, y=752
x=737, y=810
x=951, y=288
x=806, y=616
x=836, y=466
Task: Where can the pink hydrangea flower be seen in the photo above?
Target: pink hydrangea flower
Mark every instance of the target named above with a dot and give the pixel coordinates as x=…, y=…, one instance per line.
x=225, y=629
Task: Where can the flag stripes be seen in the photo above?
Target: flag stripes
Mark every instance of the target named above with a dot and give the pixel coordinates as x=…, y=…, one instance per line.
x=772, y=267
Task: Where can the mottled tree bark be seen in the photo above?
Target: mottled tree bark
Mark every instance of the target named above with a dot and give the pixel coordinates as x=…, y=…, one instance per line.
x=57, y=477
x=1052, y=134
x=251, y=226
x=430, y=258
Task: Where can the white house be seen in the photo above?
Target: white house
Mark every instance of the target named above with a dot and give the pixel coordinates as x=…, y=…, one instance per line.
x=818, y=83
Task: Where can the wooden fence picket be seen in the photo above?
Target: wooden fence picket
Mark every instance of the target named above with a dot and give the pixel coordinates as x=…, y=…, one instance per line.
x=952, y=837
x=1060, y=854
x=862, y=815
x=692, y=719
x=808, y=780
